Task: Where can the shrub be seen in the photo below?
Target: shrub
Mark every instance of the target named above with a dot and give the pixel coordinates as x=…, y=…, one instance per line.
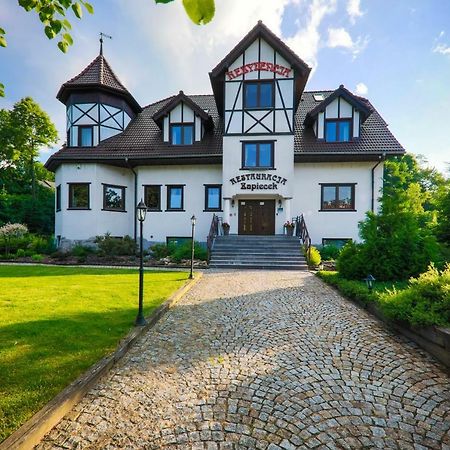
x=313, y=257
x=12, y=231
x=184, y=250
x=112, y=246
x=82, y=251
x=396, y=246
x=160, y=251
x=426, y=301
x=329, y=252
x=36, y=257
x=355, y=290
x=20, y=253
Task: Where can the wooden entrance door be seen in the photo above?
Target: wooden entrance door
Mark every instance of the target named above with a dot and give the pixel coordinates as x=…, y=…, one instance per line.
x=256, y=217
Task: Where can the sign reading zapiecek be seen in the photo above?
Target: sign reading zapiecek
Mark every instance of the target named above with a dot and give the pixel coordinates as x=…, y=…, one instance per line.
x=259, y=66
x=276, y=180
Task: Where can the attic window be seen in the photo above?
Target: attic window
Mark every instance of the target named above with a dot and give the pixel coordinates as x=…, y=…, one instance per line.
x=318, y=97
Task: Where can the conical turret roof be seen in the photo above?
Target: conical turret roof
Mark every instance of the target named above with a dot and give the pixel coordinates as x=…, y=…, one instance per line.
x=97, y=75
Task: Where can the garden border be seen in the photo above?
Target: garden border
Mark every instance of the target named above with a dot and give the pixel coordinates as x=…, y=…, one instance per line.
x=34, y=429
x=435, y=340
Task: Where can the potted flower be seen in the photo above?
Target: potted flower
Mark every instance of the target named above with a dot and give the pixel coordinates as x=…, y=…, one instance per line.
x=226, y=229
x=289, y=227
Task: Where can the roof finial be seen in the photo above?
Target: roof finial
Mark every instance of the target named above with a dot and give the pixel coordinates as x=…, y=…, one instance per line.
x=101, y=41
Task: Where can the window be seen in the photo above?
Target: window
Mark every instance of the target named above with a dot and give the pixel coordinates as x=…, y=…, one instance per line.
x=182, y=134
x=175, y=198
x=337, y=130
x=79, y=195
x=258, y=94
x=152, y=197
x=335, y=242
x=58, y=198
x=213, y=197
x=85, y=136
x=257, y=155
x=113, y=198
x=338, y=197
x=318, y=97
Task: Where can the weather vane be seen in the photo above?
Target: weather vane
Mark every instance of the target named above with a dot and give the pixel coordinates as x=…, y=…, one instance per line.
x=102, y=35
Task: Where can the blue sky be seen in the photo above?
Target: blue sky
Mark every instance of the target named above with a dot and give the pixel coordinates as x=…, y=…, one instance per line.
x=396, y=53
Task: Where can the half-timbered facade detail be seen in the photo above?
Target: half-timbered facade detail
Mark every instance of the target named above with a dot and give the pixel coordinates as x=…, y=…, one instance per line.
x=257, y=152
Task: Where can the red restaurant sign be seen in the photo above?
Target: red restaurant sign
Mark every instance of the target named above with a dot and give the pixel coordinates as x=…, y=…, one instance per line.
x=259, y=66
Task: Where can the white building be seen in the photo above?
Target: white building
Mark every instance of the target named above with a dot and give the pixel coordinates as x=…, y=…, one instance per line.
x=257, y=152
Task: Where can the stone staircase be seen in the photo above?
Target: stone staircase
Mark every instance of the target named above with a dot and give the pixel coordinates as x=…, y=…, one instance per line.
x=257, y=252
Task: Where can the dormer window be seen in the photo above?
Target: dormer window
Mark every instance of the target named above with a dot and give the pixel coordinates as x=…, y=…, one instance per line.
x=338, y=130
x=258, y=95
x=182, y=134
x=85, y=136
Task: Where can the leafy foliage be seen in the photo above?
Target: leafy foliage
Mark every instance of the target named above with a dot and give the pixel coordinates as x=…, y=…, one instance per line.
x=199, y=11
x=112, y=246
x=329, y=252
x=313, y=257
x=395, y=247
x=24, y=130
x=179, y=252
x=426, y=301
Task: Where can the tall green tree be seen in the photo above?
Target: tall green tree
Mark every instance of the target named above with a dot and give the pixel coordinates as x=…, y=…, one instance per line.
x=27, y=130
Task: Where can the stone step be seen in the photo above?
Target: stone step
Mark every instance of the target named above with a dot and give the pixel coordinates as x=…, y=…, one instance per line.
x=267, y=266
x=251, y=257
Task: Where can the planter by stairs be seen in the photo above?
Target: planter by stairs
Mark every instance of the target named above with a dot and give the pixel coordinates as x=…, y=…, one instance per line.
x=257, y=252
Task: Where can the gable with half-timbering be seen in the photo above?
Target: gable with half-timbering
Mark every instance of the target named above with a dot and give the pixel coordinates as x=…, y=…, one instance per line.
x=259, y=92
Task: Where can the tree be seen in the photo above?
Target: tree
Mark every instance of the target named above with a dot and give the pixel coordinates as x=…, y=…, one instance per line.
x=28, y=129
x=54, y=16
x=24, y=130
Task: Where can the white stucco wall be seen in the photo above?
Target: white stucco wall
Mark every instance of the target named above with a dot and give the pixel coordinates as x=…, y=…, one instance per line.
x=307, y=197
x=86, y=224
x=158, y=225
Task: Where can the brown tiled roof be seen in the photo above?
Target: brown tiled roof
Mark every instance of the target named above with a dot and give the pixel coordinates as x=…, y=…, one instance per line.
x=358, y=102
x=173, y=102
x=375, y=136
x=98, y=75
x=142, y=141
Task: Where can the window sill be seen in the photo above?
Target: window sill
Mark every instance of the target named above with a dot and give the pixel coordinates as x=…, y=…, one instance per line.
x=213, y=210
x=337, y=210
x=154, y=210
x=58, y=210
x=79, y=209
x=258, y=108
x=175, y=210
x=257, y=168
x=114, y=210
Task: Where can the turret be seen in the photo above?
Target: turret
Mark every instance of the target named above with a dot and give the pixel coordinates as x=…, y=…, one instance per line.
x=98, y=104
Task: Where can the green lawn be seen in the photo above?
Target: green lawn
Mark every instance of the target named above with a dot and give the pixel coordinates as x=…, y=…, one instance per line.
x=55, y=322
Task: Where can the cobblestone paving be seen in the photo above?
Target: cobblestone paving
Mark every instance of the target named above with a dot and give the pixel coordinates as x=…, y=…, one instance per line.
x=265, y=360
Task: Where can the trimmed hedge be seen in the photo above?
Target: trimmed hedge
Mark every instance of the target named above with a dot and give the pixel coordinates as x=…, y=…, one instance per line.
x=421, y=301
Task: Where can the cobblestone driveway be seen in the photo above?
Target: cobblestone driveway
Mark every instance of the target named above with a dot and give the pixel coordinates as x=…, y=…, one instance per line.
x=265, y=360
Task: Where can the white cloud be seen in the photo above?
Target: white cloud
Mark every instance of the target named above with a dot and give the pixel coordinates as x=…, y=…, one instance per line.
x=306, y=41
x=362, y=89
x=354, y=10
x=340, y=37
x=442, y=49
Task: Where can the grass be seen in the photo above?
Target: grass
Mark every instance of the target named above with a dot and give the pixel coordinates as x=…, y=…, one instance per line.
x=55, y=322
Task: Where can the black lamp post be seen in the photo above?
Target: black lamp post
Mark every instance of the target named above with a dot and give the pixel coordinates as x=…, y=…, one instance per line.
x=141, y=212
x=193, y=219
x=369, y=282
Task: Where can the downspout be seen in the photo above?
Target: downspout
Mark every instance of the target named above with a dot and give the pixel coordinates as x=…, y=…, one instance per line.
x=382, y=158
x=135, y=197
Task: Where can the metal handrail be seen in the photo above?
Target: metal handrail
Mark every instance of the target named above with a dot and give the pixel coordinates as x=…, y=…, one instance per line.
x=301, y=231
x=213, y=233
